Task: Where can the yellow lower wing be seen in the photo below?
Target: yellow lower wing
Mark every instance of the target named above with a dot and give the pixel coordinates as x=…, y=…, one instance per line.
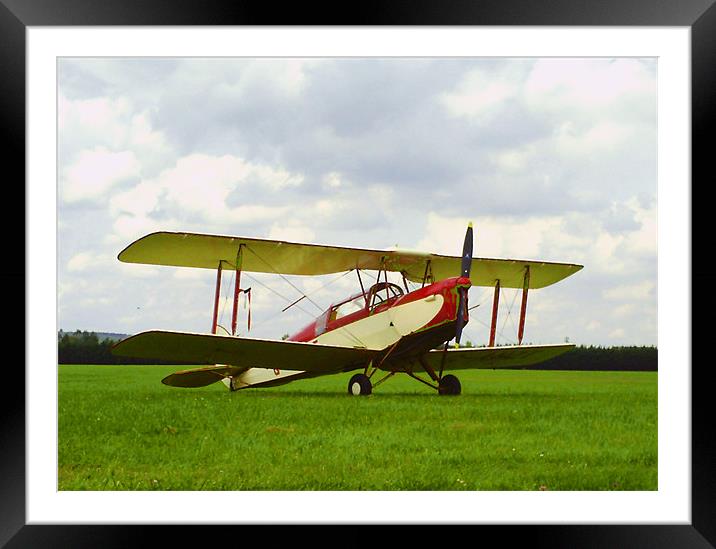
x=495, y=357
x=241, y=352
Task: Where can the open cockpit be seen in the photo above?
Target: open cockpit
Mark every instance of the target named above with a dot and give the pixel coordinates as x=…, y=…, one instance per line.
x=378, y=294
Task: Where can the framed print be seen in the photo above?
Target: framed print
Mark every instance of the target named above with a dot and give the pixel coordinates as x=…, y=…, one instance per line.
x=48, y=84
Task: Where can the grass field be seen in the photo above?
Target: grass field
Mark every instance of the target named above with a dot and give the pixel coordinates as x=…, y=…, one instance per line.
x=121, y=429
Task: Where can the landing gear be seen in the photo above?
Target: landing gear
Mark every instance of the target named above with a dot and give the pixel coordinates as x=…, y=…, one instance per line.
x=359, y=385
x=230, y=383
x=449, y=385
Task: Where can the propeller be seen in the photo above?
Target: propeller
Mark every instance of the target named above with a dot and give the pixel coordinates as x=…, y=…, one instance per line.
x=462, y=292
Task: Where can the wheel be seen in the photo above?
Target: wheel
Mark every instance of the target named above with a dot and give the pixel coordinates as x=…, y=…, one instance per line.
x=359, y=385
x=449, y=385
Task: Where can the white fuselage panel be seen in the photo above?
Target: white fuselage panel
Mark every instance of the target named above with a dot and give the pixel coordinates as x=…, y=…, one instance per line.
x=376, y=332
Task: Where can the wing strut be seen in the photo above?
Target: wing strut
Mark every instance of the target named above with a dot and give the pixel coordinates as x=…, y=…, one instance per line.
x=362, y=289
x=216, y=298
x=428, y=268
x=495, y=305
x=523, y=309
x=237, y=289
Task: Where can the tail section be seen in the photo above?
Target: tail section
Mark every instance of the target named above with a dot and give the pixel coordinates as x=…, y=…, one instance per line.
x=260, y=377
x=233, y=377
x=201, y=377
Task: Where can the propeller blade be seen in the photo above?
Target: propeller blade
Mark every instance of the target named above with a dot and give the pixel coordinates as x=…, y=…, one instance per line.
x=467, y=252
x=465, y=272
x=460, y=316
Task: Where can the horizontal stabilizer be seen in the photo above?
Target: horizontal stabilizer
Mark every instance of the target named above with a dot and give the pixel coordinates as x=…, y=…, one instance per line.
x=259, y=255
x=201, y=377
x=486, y=358
x=241, y=351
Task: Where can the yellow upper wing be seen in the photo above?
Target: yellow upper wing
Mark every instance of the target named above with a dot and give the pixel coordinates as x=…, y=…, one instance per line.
x=291, y=258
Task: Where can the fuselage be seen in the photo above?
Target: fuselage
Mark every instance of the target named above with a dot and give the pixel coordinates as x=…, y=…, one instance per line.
x=376, y=325
x=382, y=317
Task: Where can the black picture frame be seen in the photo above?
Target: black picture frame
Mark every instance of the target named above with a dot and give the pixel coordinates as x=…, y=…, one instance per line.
x=16, y=15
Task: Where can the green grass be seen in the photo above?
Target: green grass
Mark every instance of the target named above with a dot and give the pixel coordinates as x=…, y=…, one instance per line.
x=121, y=429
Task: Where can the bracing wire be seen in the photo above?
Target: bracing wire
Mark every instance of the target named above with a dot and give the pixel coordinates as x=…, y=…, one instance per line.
x=275, y=292
x=286, y=279
x=226, y=298
x=499, y=331
x=508, y=316
x=287, y=299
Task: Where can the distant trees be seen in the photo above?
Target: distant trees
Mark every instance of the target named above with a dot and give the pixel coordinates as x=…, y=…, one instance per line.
x=639, y=359
x=82, y=347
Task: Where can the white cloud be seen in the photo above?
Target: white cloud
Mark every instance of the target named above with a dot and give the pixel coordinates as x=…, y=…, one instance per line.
x=333, y=180
x=624, y=310
x=593, y=325
x=619, y=333
x=95, y=172
x=80, y=262
x=603, y=136
x=291, y=233
x=140, y=200
x=142, y=135
x=211, y=190
x=642, y=242
x=479, y=93
x=135, y=270
x=603, y=253
x=189, y=274
x=202, y=184
x=632, y=292
x=511, y=237
x=577, y=238
x=113, y=124
x=129, y=227
x=285, y=77
x=100, y=120
x=579, y=83
x=515, y=160
x=97, y=301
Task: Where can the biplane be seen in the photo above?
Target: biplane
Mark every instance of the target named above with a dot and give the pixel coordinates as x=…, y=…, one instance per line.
x=381, y=328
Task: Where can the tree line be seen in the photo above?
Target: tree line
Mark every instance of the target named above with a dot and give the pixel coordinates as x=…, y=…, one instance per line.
x=635, y=359
x=83, y=347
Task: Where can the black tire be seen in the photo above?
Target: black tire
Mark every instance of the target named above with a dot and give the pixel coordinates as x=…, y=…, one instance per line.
x=449, y=385
x=360, y=385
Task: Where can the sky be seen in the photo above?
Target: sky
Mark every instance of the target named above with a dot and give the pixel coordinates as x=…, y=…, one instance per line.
x=551, y=159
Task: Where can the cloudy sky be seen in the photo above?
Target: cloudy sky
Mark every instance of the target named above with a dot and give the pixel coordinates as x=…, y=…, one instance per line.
x=552, y=159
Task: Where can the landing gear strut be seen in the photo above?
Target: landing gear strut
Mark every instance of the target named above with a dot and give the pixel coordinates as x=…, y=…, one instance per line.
x=446, y=385
x=360, y=385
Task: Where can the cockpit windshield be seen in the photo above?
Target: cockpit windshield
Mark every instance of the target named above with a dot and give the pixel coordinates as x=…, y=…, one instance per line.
x=383, y=292
x=379, y=293
x=348, y=308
